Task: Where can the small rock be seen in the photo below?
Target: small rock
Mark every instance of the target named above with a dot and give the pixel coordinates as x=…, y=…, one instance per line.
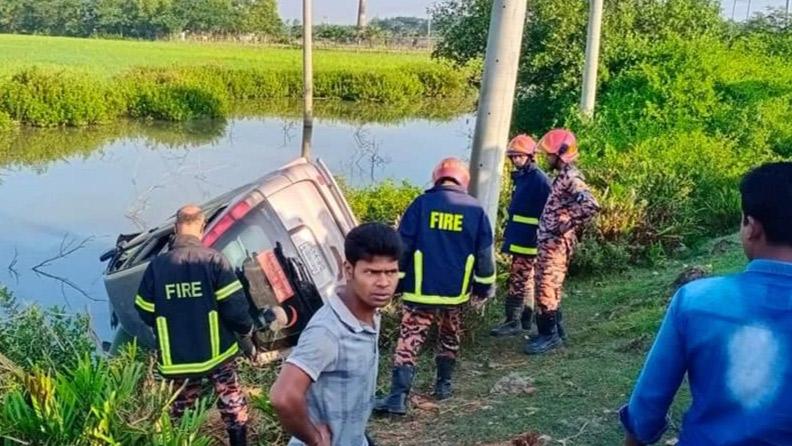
x=692, y=273
x=672, y=442
x=514, y=384
x=722, y=246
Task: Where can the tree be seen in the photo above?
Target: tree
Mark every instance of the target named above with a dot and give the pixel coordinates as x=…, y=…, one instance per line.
x=261, y=17
x=554, y=43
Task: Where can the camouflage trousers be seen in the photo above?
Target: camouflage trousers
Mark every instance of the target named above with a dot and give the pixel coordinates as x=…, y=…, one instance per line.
x=415, y=325
x=551, y=270
x=230, y=400
x=521, y=282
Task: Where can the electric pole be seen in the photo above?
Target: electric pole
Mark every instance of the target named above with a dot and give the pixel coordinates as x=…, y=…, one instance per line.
x=496, y=102
x=748, y=12
x=307, y=78
x=361, y=18
x=589, y=94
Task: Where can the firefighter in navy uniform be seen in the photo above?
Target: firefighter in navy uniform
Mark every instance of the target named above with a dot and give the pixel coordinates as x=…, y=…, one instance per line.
x=448, y=256
x=530, y=189
x=195, y=303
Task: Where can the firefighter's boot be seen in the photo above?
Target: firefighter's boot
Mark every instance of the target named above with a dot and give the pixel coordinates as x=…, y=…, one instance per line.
x=560, y=325
x=548, y=338
x=511, y=327
x=396, y=402
x=237, y=436
x=445, y=370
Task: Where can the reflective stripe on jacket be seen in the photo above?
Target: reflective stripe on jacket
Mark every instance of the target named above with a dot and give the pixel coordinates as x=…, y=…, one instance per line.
x=449, y=248
x=194, y=301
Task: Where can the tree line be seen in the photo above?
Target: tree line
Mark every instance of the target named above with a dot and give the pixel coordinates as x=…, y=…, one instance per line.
x=144, y=19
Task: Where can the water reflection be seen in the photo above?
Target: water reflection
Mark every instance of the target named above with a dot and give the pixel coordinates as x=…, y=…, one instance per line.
x=62, y=188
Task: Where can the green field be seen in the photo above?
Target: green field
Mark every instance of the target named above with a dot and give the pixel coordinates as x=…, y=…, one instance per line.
x=110, y=57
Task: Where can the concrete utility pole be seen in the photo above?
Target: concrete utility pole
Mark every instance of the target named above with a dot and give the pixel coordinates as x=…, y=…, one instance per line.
x=496, y=102
x=307, y=77
x=734, y=9
x=787, y=9
x=361, y=19
x=589, y=95
x=748, y=12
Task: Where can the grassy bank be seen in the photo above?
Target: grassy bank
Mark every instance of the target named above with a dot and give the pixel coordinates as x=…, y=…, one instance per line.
x=611, y=322
x=53, y=81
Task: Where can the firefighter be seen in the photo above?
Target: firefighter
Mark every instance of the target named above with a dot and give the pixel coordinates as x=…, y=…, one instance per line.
x=569, y=207
x=530, y=188
x=448, y=255
x=195, y=303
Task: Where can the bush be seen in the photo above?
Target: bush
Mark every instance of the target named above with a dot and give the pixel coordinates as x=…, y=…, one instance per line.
x=384, y=202
x=6, y=123
x=33, y=337
x=54, y=98
x=98, y=401
x=50, y=98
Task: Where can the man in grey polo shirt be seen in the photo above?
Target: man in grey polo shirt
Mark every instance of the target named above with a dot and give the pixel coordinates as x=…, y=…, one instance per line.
x=324, y=394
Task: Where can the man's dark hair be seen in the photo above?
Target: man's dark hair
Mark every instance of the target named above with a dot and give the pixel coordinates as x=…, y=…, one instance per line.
x=372, y=239
x=767, y=197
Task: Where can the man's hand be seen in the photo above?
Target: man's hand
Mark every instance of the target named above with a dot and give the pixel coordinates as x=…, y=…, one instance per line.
x=629, y=440
x=477, y=303
x=248, y=347
x=324, y=437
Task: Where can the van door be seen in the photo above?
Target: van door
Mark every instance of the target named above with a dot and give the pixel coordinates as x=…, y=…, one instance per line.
x=317, y=236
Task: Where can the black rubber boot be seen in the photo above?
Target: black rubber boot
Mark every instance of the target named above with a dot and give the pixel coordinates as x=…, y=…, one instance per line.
x=548, y=338
x=445, y=370
x=396, y=402
x=527, y=318
x=237, y=436
x=511, y=327
x=560, y=325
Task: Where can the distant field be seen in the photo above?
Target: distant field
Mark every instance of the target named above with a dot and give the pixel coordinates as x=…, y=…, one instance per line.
x=113, y=56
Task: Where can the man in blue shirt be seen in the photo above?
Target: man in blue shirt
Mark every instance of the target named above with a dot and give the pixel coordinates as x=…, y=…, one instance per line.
x=732, y=335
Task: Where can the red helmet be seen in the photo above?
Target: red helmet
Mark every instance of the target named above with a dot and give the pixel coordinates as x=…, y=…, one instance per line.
x=453, y=169
x=521, y=145
x=560, y=142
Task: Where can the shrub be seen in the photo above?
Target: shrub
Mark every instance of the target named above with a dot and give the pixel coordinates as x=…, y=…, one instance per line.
x=34, y=337
x=384, y=202
x=51, y=98
x=6, y=123
x=98, y=401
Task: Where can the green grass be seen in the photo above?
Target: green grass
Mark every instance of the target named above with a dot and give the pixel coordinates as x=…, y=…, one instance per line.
x=56, y=81
x=611, y=322
x=109, y=57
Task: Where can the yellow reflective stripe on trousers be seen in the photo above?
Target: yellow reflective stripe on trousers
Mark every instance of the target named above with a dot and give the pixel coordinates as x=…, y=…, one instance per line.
x=517, y=249
x=200, y=367
x=463, y=297
x=228, y=290
x=526, y=220
x=214, y=333
x=164, y=341
x=144, y=304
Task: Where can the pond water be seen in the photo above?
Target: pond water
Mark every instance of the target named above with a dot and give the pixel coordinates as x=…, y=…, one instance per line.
x=65, y=194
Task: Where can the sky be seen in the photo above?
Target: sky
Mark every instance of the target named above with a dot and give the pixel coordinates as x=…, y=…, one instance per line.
x=344, y=11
